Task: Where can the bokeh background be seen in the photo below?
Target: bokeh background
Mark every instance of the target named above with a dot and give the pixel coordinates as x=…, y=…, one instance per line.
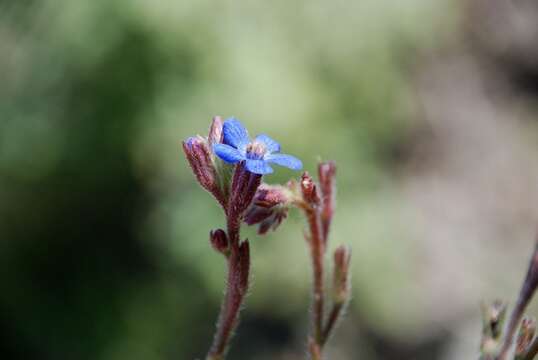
x=428, y=107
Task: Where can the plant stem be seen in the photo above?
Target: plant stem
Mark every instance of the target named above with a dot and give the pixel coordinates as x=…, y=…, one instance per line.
x=331, y=322
x=317, y=248
x=525, y=295
x=238, y=269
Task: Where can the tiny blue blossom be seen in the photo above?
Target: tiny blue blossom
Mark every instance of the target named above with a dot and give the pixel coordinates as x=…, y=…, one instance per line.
x=257, y=155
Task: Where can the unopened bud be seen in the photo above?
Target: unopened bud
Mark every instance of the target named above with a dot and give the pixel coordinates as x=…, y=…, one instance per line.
x=309, y=189
x=274, y=221
x=219, y=241
x=199, y=156
x=525, y=336
x=341, y=285
x=268, y=196
x=327, y=181
x=493, y=317
x=215, y=131
x=269, y=207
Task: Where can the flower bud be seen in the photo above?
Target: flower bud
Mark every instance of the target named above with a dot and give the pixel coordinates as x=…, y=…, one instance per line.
x=215, y=131
x=199, y=156
x=327, y=172
x=278, y=215
x=341, y=283
x=493, y=317
x=309, y=189
x=219, y=241
x=269, y=207
x=268, y=196
x=525, y=336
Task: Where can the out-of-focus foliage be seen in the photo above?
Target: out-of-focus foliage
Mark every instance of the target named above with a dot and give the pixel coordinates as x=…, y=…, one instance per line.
x=104, y=232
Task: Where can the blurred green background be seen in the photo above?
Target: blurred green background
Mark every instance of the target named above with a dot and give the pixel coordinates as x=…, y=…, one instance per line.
x=428, y=108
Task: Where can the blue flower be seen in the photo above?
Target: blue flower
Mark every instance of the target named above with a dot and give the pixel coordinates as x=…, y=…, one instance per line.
x=257, y=154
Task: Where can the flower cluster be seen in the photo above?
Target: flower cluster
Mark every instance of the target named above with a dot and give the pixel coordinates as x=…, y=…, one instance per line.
x=230, y=165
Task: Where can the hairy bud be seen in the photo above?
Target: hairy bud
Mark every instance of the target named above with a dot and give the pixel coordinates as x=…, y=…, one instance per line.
x=493, y=318
x=341, y=283
x=219, y=241
x=215, y=131
x=269, y=207
x=327, y=181
x=309, y=189
x=199, y=156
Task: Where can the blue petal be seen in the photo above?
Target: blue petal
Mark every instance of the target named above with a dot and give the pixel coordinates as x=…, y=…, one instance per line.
x=228, y=153
x=260, y=167
x=235, y=134
x=270, y=144
x=288, y=161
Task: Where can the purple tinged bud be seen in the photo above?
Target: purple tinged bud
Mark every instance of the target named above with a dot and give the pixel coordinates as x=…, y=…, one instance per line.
x=219, y=241
x=269, y=207
x=309, y=189
x=199, y=156
x=341, y=283
x=273, y=222
x=257, y=214
x=268, y=196
x=215, y=131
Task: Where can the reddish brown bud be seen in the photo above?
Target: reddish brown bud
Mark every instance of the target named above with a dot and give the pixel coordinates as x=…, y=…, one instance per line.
x=273, y=222
x=215, y=131
x=268, y=196
x=269, y=207
x=341, y=283
x=309, y=189
x=199, y=156
x=327, y=181
x=219, y=241
x=525, y=336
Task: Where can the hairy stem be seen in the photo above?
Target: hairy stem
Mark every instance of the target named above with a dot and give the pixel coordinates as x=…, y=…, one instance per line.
x=317, y=248
x=331, y=321
x=238, y=269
